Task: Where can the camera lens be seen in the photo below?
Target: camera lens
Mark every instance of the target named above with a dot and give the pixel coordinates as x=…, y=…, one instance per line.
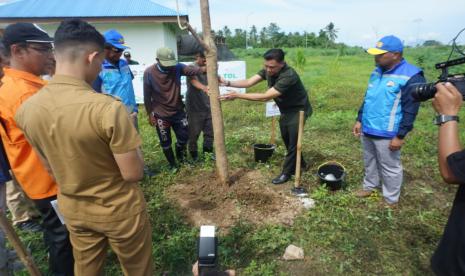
x=423, y=92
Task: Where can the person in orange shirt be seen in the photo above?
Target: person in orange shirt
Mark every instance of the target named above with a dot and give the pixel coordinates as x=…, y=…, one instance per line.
x=31, y=55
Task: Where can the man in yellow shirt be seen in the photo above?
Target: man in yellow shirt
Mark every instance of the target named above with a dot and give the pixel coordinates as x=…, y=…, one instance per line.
x=31, y=54
x=93, y=149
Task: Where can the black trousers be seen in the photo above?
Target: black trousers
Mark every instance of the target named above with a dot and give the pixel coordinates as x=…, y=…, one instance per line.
x=200, y=122
x=56, y=239
x=289, y=126
x=178, y=122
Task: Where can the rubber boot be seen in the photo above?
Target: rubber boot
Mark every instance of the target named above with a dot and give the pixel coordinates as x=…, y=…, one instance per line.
x=195, y=155
x=181, y=153
x=170, y=157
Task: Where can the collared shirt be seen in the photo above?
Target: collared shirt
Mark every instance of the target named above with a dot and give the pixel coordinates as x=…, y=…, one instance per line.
x=18, y=86
x=78, y=132
x=293, y=96
x=116, y=80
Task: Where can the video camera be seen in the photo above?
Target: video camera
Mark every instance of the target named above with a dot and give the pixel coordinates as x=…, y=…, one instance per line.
x=423, y=92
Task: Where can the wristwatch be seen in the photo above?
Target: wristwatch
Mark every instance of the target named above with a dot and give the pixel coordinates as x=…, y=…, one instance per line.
x=441, y=119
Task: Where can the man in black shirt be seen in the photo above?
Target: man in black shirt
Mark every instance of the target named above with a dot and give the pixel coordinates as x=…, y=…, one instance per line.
x=199, y=115
x=287, y=90
x=449, y=257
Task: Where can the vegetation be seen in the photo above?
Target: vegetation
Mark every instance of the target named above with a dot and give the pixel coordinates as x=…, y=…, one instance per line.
x=342, y=235
x=272, y=37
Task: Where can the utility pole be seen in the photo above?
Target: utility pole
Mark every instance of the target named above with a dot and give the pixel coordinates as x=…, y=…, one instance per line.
x=246, y=27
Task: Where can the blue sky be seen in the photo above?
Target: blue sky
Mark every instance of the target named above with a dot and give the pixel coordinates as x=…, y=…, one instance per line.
x=360, y=22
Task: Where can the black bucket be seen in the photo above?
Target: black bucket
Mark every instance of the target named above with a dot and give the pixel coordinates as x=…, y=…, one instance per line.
x=332, y=174
x=263, y=152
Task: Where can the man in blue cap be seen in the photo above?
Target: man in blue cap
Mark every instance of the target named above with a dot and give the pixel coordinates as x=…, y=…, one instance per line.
x=116, y=76
x=385, y=117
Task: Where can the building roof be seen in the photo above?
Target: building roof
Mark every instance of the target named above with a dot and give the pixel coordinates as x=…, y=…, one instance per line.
x=57, y=9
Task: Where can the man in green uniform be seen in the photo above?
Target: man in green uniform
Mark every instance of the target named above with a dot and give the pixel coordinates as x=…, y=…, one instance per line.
x=287, y=90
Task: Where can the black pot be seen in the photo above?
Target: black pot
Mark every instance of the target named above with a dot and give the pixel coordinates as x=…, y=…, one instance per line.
x=337, y=170
x=263, y=152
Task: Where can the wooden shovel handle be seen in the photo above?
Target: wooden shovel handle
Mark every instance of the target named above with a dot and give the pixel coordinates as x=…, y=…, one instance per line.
x=23, y=254
x=299, y=149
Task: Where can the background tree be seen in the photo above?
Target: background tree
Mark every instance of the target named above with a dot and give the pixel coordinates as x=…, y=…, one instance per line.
x=432, y=43
x=253, y=36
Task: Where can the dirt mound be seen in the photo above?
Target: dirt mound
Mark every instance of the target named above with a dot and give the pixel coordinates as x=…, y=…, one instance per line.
x=251, y=197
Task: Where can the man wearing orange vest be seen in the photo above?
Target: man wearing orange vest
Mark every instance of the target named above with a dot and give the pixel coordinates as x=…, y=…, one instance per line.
x=31, y=54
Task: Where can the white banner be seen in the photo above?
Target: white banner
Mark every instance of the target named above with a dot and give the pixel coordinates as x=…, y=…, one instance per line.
x=272, y=109
x=229, y=70
x=138, y=82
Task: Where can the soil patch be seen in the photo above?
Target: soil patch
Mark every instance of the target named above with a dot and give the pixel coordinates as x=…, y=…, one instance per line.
x=250, y=197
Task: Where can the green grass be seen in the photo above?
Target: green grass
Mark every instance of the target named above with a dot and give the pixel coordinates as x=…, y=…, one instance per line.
x=342, y=235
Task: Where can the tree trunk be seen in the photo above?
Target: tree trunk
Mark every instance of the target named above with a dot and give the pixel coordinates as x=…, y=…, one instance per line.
x=212, y=76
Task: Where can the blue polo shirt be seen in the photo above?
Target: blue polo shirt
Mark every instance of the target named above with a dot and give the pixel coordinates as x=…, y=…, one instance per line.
x=116, y=80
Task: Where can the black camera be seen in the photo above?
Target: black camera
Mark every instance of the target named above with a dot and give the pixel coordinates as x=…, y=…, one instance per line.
x=423, y=92
x=207, y=249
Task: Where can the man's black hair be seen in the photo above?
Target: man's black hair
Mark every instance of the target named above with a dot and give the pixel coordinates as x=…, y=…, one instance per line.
x=275, y=54
x=75, y=32
x=200, y=54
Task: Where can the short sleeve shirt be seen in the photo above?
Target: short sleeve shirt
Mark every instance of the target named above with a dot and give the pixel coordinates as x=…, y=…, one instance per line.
x=78, y=131
x=293, y=96
x=197, y=100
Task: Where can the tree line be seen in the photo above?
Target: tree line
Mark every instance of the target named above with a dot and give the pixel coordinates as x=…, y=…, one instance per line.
x=272, y=36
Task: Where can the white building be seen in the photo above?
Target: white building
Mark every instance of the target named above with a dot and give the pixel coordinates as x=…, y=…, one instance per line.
x=144, y=24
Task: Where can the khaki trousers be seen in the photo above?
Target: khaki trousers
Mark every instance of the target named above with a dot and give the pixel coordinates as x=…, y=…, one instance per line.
x=21, y=207
x=130, y=239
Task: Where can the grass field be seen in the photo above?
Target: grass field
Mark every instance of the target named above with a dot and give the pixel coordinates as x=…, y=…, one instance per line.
x=342, y=235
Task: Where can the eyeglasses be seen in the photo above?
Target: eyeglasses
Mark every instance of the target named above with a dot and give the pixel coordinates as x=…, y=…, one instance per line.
x=45, y=50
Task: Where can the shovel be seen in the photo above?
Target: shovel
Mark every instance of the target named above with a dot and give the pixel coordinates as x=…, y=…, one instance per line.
x=298, y=190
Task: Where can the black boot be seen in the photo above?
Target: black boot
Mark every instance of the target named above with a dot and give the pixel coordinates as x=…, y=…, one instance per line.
x=170, y=157
x=194, y=155
x=209, y=151
x=181, y=154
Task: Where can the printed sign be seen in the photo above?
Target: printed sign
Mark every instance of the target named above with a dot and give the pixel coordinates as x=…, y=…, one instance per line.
x=138, y=81
x=229, y=70
x=54, y=204
x=272, y=109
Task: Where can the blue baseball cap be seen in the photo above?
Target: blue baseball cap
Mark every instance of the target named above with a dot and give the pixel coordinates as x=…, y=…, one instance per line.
x=386, y=44
x=115, y=39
